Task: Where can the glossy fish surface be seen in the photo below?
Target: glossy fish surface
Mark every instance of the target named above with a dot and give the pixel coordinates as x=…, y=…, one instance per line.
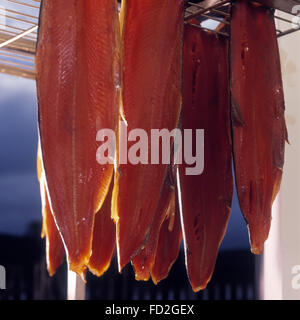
x=206, y=197
x=144, y=261
x=78, y=83
x=259, y=129
x=169, y=240
x=55, y=251
x=104, y=238
x=151, y=38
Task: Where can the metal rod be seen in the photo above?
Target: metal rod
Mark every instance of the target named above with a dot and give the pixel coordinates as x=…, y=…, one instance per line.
x=15, y=57
x=11, y=63
x=17, y=71
x=283, y=19
x=13, y=33
x=216, y=19
x=17, y=19
x=212, y=10
x=211, y=17
x=13, y=27
x=14, y=51
x=204, y=10
x=24, y=4
x=21, y=35
x=289, y=31
x=20, y=13
x=22, y=45
x=282, y=5
x=214, y=31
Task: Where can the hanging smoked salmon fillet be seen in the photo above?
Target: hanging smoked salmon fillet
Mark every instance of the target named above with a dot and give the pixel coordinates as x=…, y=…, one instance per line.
x=55, y=251
x=168, y=246
x=144, y=261
x=104, y=238
x=151, y=31
x=259, y=128
x=206, y=197
x=78, y=81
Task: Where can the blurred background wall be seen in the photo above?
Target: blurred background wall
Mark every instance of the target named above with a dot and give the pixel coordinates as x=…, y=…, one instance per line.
x=282, y=249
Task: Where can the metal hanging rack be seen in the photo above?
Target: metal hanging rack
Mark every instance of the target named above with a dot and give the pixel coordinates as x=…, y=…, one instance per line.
x=19, y=24
x=287, y=12
x=18, y=36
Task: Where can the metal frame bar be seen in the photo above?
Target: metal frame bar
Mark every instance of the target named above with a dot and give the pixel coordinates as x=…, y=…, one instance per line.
x=207, y=6
x=19, y=36
x=24, y=4
x=21, y=30
x=208, y=9
x=282, y=5
x=206, y=29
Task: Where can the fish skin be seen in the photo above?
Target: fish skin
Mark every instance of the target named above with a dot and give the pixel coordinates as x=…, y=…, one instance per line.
x=104, y=237
x=55, y=251
x=206, y=198
x=144, y=261
x=168, y=247
x=259, y=129
x=150, y=30
x=78, y=81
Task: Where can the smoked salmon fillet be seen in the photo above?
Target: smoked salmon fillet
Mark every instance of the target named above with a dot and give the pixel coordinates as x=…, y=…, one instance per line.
x=78, y=83
x=206, y=198
x=144, y=261
x=104, y=238
x=259, y=129
x=55, y=251
x=151, y=31
x=169, y=240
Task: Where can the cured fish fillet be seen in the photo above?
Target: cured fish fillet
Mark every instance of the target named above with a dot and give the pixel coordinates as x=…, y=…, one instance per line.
x=144, y=261
x=104, y=237
x=78, y=81
x=259, y=128
x=206, y=198
x=168, y=247
x=55, y=251
x=151, y=31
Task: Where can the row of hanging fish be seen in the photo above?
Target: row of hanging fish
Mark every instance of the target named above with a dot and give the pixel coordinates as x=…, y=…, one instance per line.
x=97, y=69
